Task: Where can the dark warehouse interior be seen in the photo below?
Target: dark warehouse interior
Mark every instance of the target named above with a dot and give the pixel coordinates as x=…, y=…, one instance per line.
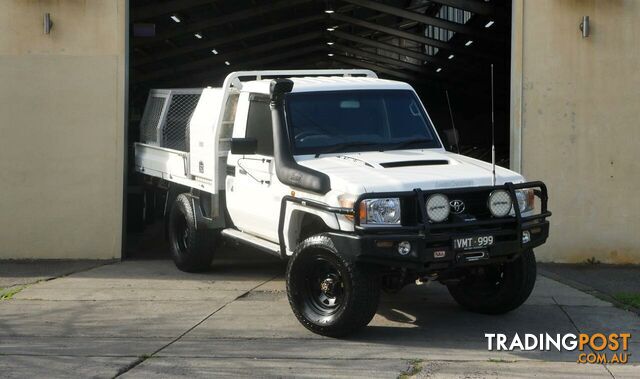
x=443, y=48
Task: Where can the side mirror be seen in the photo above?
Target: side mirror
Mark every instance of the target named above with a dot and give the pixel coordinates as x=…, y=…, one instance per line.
x=244, y=146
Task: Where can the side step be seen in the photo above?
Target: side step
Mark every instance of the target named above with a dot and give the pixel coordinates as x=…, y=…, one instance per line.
x=251, y=240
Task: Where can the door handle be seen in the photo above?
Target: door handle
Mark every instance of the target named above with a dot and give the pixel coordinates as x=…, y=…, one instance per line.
x=242, y=171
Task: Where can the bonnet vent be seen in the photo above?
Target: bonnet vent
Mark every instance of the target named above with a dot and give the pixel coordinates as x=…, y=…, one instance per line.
x=434, y=162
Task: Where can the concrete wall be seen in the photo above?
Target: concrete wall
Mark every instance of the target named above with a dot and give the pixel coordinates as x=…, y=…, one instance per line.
x=576, y=104
x=62, y=105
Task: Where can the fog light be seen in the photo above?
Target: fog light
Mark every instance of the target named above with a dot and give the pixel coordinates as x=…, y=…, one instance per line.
x=404, y=248
x=526, y=236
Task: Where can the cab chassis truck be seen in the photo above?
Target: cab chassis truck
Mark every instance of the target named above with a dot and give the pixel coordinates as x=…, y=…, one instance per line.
x=343, y=175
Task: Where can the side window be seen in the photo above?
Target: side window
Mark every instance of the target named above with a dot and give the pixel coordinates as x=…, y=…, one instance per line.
x=259, y=126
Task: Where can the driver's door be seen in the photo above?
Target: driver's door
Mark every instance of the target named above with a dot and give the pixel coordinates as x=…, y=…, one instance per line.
x=253, y=198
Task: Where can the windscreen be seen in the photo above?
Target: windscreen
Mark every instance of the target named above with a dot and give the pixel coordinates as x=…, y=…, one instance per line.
x=359, y=120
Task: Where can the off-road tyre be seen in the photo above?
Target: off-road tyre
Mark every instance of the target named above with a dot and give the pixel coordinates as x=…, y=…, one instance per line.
x=355, y=288
x=501, y=289
x=191, y=248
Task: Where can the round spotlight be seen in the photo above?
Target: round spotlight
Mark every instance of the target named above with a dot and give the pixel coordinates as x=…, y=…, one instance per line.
x=438, y=207
x=500, y=203
x=404, y=248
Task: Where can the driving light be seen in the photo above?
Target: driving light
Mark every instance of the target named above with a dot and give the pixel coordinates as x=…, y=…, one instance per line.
x=437, y=207
x=380, y=211
x=499, y=203
x=526, y=236
x=404, y=248
x=526, y=200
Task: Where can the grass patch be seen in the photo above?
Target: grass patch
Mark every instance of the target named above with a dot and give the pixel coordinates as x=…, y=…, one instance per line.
x=629, y=298
x=8, y=293
x=415, y=366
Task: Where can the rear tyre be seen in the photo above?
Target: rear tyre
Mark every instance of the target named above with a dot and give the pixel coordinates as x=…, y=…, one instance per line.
x=191, y=248
x=328, y=294
x=497, y=289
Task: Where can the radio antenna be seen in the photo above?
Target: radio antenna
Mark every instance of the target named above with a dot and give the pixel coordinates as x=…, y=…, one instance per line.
x=493, y=132
x=453, y=124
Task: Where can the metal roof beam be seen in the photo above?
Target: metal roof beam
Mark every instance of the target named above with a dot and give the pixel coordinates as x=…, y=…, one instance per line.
x=469, y=5
x=158, y=9
x=391, y=31
x=200, y=26
x=230, y=56
x=381, y=45
x=381, y=59
x=377, y=68
x=428, y=20
x=248, y=64
x=210, y=43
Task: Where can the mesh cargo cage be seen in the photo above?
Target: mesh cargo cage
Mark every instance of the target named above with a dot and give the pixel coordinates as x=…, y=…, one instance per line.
x=165, y=121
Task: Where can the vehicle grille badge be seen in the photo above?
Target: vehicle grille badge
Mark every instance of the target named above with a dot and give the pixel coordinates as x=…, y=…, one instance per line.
x=457, y=206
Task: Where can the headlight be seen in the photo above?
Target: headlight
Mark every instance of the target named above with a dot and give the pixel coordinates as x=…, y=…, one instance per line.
x=500, y=203
x=437, y=207
x=380, y=211
x=526, y=200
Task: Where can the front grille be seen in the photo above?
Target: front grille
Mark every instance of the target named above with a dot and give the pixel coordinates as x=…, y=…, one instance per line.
x=475, y=203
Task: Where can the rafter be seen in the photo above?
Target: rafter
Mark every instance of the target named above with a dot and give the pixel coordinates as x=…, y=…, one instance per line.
x=220, y=20
x=380, y=59
x=230, y=56
x=415, y=16
x=211, y=43
x=248, y=64
x=381, y=45
x=391, y=31
x=377, y=68
x=476, y=7
x=156, y=9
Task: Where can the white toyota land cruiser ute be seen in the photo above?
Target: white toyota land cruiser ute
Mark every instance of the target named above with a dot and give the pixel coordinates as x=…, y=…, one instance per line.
x=342, y=174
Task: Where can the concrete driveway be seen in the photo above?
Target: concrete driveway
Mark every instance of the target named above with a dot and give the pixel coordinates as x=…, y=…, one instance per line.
x=145, y=318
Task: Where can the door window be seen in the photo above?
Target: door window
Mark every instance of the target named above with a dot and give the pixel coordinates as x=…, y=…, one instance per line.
x=259, y=126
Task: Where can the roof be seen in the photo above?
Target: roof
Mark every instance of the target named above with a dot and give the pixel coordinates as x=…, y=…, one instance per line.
x=327, y=83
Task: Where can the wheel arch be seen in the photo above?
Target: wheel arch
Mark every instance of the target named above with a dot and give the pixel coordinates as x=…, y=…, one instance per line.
x=301, y=223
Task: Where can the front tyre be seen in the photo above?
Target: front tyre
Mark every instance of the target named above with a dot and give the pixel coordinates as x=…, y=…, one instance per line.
x=191, y=247
x=497, y=289
x=328, y=294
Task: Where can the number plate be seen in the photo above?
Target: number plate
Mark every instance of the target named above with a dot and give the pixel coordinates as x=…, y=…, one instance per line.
x=475, y=242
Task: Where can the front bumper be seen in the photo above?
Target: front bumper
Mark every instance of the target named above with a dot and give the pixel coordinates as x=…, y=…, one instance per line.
x=432, y=243
x=436, y=252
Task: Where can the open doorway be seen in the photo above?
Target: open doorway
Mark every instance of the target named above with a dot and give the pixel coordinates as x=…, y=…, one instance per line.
x=443, y=48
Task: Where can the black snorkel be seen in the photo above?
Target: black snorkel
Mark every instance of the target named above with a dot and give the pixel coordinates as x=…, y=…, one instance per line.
x=288, y=171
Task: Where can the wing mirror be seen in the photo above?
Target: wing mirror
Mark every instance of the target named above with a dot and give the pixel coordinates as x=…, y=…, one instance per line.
x=244, y=146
